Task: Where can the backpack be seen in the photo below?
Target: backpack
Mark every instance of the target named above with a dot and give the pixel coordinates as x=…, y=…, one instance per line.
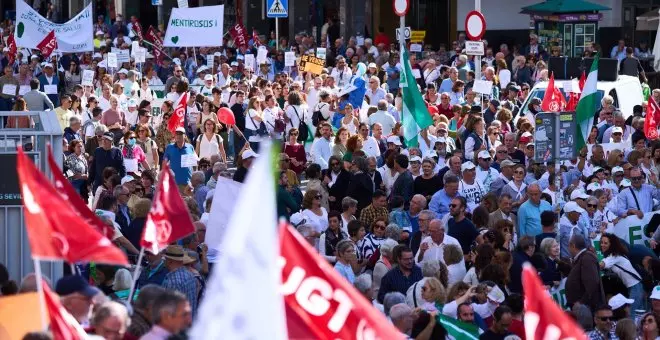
x=280, y=124
x=199, y=139
x=317, y=116
x=303, y=130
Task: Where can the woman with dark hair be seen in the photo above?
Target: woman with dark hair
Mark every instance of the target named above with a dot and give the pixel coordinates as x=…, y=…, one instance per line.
x=483, y=255
x=315, y=215
x=480, y=217
x=148, y=180
x=361, y=186
x=295, y=151
x=163, y=135
x=456, y=97
x=77, y=167
x=616, y=259
x=331, y=236
x=133, y=154
x=72, y=76
x=313, y=174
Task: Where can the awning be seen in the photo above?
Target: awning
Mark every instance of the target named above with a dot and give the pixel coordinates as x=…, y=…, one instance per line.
x=648, y=21
x=564, y=6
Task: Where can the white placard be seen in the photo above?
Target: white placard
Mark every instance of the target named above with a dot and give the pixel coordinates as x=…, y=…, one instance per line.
x=289, y=58
x=505, y=78
x=123, y=56
x=131, y=164
x=24, y=89
x=140, y=55
x=210, y=60
x=189, y=160
x=568, y=86
x=112, y=59
x=182, y=3
x=416, y=73
x=87, y=78
x=134, y=47
x=195, y=27
x=474, y=47
x=262, y=54
x=483, y=87
x=320, y=52
x=360, y=40
x=50, y=89
x=249, y=61
x=415, y=47
x=9, y=89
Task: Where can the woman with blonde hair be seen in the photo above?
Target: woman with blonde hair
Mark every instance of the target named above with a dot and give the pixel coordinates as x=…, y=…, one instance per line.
x=434, y=295
x=255, y=128
x=453, y=256
x=540, y=66
x=615, y=158
x=148, y=145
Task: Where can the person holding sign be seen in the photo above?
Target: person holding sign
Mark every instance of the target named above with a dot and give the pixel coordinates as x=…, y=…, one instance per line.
x=9, y=87
x=49, y=83
x=133, y=154
x=181, y=157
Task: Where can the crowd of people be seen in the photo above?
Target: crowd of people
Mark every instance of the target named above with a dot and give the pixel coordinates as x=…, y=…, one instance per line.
x=440, y=228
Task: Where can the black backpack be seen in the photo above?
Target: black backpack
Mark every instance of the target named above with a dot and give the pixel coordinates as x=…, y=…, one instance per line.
x=317, y=116
x=303, y=130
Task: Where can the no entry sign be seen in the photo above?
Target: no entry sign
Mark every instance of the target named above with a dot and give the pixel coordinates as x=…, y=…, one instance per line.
x=475, y=25
x=401, y=7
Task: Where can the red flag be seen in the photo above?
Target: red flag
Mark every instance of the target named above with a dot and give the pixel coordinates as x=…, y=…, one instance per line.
x=574, y=98
x=55, y=230
x=69, y=194
x=138, y=30
x=63, y=325
x=239, y=35
x=168, y=220
x=650, y=121
x=338, y=311
x=157, y=42
x=553, y=100
x=255, y=38
x=543, y=318
x=48, y=45
x=177, y=118
x=11, y=44
x=583, y=80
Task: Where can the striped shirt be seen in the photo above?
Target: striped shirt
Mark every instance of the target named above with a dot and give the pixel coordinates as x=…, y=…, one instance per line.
x=184, y=281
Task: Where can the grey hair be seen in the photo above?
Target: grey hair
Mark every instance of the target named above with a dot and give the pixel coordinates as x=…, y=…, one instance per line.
x=387, y=246
x=305, y=230
x=430, y=268
x=393, y=232
x=348, y=202
x=123, y=280
x=29, y=283
x=428, y=213
x=149, y=294
x=118, y=190
x=382, y=105
x=108, y=309
x=218, y=168
x=167, y=302
x=400, y=311
x=101, y=129
x=546, y=244
x=617, y=114
x=74, y=119
x=607, y=99
x=199, y=175
x=361, y=164
x=391, y=299
x=451, y=179
x=389, y=97
x=578, y=241
x=363, y=283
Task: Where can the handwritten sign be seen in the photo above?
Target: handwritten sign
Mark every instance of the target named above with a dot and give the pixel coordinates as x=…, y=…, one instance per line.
x=289, y=58
x=321, y=53
x=140, y=55
x=249, y=61
x=87, y=78
x=262, y=53
x=210, y=60
x=112, y=59
x=312, y=64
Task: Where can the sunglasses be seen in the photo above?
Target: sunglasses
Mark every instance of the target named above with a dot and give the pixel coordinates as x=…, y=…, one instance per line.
x=638, y=178
x=294, y=134
x=592, y=205
x=453, y=205
x=379, y=226
x=318, y=197
x=502, y=151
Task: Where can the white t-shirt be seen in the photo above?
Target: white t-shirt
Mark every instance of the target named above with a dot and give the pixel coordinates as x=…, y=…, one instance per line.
x=207, y=147
x=472, y=193
x=131, y=117
x=436, y=251
x=613, y=262
x=319, y=223
x=294, y=121
x=370, y=147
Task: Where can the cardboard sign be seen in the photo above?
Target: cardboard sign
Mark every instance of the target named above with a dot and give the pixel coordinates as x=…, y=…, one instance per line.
x=289, y=58
x=210, y=60
x=123, y=56
x=311, y=64
x=112, y=59
x=321, y=53
x=50, y=89
x=360, y=40
x=417, y=36
x=140, y=55
x=134, y=47
x=87, y=78
x=262, y=54
x=249, y=61
x=9, y=89
x=483, y=87
x=24, y=89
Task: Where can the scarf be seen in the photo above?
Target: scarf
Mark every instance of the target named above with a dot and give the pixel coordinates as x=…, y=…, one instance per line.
x=512, y=184
x=129, y=151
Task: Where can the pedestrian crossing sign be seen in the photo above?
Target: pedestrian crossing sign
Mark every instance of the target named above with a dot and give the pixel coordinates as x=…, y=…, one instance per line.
x=277, y=8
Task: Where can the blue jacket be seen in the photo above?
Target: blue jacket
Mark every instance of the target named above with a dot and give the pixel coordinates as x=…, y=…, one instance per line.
x=55, y=98
x=103, y=159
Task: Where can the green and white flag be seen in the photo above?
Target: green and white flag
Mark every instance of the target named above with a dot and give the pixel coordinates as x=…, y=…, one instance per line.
x=586, y=106
x=459, y=330
x=415, y=115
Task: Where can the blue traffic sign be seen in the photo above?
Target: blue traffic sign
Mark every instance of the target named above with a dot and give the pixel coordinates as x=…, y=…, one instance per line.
x=277, y=8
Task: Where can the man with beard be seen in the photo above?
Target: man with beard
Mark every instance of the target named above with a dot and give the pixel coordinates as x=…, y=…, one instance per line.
x=336, y=179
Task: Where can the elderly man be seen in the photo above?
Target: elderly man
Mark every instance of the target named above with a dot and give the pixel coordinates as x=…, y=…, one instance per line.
x=110, y=321
x=506, y=175
x=321, y=148
x=375, y=92
x=342, y=73
x=569, y=226
x=143, y=316
x=423, y=220
x=370, y=145
x=503, y=212
x=76, y=296
x=179, y=278
x=181, y=158
x=122, y=194
x=8, y=89
x=448, y=83
x=72, y=132
x=637, y=199
x=106, y=156
x=383, y=117
x=364, y=285
x=199, y=189
x=619, y=121
x=432, y=246
x=485, y=173
x=440, y=200
x=402, y=318
x=529, y=213
x=49, y=82
x=469, y=188
x=172, y=314
x=217, y=170
x=417, y=204
x=583, y=283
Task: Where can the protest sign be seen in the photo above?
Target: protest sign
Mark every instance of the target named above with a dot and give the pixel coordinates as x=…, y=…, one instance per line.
x=141, y=55
x=415, y=47
x=239, y=35
x=75, y=35
x=112, y=59
x=311, y=64
x=87, y=78
x=262, y=55
x=483, y=87
x=134, y=46
x=559, y=294
x=17, y=315
x=320, y=52
x=210, y=60
x=195, y=27
x=608, y=147
x=249, y=61
x=635, y=230
x=289, y=58
x=222, y=208
x=122, y=55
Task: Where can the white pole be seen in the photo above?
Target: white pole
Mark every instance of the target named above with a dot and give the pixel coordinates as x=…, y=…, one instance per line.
x=477, y=59
x=402, y=27
x=40, y=289
x=277, y=33
x=136, y=275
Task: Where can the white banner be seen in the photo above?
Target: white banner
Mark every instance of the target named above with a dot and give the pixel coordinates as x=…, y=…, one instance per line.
x=195, y=27
x=76, y=35
x=633, y=230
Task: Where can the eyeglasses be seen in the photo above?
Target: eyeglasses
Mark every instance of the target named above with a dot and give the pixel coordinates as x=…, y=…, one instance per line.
x=485, y=159
x=592, y=205
x=605, y=318
x=638, y=178
x=453, y=205
x=501, y=151
x=317, y=197
x=519, y=172
x=379, y=226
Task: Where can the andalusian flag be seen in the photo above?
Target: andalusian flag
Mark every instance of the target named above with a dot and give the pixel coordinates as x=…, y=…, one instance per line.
x=584, y=113
x=459, y=330
x=415, y=115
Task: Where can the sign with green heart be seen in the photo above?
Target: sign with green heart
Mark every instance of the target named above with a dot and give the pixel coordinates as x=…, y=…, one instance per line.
x=20, y=29
x=195, y=27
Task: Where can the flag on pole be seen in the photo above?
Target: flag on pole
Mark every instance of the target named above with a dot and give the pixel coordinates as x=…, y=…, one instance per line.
x=63, y=325
x=48, y=45
x=228, y=309
x=168, y=220
x=543, y=318
x=255, y=38
x=138, y=30
x=55, y=230
x=415, y=115
x=584, y=113
x=157, y=44
x=650, y=122
x=178, y=117
x=11, y=45
x=553, y=100
x=459, y=330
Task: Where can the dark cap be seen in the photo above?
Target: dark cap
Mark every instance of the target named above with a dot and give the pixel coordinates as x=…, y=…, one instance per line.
x=495, y=102
x=75, y=284
x=109, y=135
x=475, y=109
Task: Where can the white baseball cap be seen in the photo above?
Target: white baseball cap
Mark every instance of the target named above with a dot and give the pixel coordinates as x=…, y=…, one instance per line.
x=394, y=140
x=97, y=55
x=180, y=129
x=593, y=187
x=124, y=71
x=572, y=207
x=202, y=69
x=249, y=154
x=127, y=179
x=177, y=61
x=467, y=166
x=208, y=77
x=483, y=154
x=441, y=140
x=625, y=183
x=617, y=129
x=616, y=169
x=578, y=193
x=656, y=293
x=496, y=294
x=415, y=159
x=217, y=54
x=618, y=301
x=132, y=103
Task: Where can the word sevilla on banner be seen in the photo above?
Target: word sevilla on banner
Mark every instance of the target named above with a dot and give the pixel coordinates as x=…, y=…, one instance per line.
x=553, y=100
x=543, y=318
x=651, y=123
x=178, y=117
x=11, y=44
x=48, y=45
x=168, y=219
x=55, y=231
x=69, y=194
x=239, y=35
x=157, y=42
x=320, y=303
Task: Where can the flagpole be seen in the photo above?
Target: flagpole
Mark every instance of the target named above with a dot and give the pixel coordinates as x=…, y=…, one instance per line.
x=40, y=289
x=136, y=275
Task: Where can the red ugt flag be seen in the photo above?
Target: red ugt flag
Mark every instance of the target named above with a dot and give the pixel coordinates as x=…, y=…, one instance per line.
x=177, y=118
x=650, y=121
x=157, y=42
x=255, y=38
x=48, y=45
x=11, y=44
x=69, y=194
x=543, y=318
x=239, y=35
x=55, y=230
x=138, y=30
x=339, y=311
x=168, y=219
x=553, y=100
x=62, y=324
